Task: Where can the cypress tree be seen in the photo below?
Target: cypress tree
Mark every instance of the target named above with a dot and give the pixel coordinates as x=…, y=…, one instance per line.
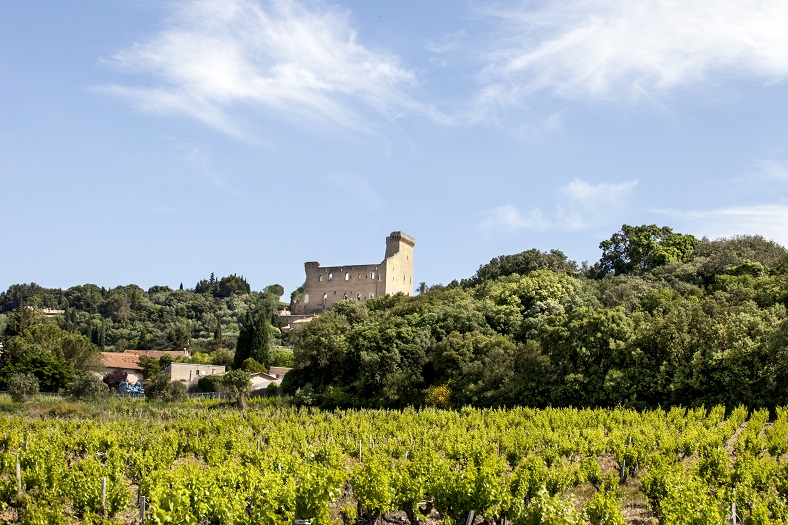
x=261, y=351
x=103, y=335
x=254, y=341
x=243, y=348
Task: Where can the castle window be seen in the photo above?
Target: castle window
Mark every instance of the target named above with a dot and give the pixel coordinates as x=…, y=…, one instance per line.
x=345, y=297
x=325, y=297
x=372, y=276
x=372, y=296
x=331, y=277
x=359, y=276
x=347, y=276
x=306, y=298
x=320, y=279
x=358, y=297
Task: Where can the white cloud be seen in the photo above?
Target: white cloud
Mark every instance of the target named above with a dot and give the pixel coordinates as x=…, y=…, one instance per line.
x=225, y=61
x=772, y=170
x=507, y=218
x=769, y=220
x=622, y=49
x=581, y=206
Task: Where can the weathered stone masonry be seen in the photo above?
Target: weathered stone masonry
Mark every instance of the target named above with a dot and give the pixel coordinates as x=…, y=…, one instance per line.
x=324, y=287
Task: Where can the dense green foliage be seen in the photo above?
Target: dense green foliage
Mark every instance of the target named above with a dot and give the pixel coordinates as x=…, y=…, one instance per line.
x=202, y=463
x=202, y=320
x=663, y=319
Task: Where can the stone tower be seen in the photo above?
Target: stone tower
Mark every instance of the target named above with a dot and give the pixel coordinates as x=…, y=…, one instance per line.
x=324, y=287
x=398, y=264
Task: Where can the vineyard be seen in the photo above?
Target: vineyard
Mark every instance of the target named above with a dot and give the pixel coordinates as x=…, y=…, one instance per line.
x=207, y=463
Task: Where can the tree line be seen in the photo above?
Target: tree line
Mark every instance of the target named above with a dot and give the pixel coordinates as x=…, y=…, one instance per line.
x=221, y=321
x=663, y=318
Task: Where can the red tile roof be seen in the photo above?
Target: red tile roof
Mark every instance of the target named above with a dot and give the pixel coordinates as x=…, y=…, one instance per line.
x=121, y=360
x=130, y=359
x=158, y=354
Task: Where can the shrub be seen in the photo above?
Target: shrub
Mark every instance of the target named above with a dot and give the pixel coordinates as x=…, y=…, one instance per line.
x=88, y=387
x=282, y=357
x=161, y=388
x=115, y=378
x=22, y=387
x=253, y=366
x=438, y=396
x=238, y=384
x=209, y=383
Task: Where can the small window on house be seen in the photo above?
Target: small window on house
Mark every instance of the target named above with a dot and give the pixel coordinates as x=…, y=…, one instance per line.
x=372, y=296
x=331, y=277
x=347, y=276
x=359, y=276
x=325, y=297
x=372, y=276
x=358, y=297
x=320, y=278
x=345, y=297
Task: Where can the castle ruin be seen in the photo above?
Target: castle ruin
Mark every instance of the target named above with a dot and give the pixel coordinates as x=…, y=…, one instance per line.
x=324, y=287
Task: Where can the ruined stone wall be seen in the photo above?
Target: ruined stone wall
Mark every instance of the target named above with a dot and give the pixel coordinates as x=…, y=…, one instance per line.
x=325, y=286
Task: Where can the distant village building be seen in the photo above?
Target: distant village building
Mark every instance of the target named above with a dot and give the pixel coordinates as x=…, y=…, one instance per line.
x=324, y=287
x=191, y=373
x=129, y=361
x=261, y=381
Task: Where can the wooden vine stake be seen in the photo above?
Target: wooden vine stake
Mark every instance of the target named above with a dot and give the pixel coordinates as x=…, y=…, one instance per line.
x=18, y=479
x=103, y=509
x=142, y=509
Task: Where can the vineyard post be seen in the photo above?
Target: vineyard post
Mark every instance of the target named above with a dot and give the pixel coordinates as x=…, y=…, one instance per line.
x=734, y=517
x=469, y=519
x=103, y=509
x=142, y=509
x=18, y=478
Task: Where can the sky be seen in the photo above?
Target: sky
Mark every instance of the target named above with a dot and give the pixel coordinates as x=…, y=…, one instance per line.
x=154, y=142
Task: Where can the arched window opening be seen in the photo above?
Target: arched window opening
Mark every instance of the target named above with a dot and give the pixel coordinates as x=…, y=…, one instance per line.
x=331, y=277
x=345, y=297
x=347, y=276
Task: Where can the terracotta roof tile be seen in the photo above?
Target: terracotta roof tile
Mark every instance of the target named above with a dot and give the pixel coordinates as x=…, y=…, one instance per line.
x=121, y=360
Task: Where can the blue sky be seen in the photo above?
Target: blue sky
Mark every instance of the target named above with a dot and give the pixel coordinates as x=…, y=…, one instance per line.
x=155, y=142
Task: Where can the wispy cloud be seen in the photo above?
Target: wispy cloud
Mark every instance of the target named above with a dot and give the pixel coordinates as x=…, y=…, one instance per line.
x=622, y=50
x=580, y=206
x=226, y=62
x=772, y=170
x=508, y=219
x=359, y=188
x=769, y=220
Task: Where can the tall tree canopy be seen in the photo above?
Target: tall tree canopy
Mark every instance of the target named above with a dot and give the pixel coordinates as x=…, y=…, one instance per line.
x=639, y=249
